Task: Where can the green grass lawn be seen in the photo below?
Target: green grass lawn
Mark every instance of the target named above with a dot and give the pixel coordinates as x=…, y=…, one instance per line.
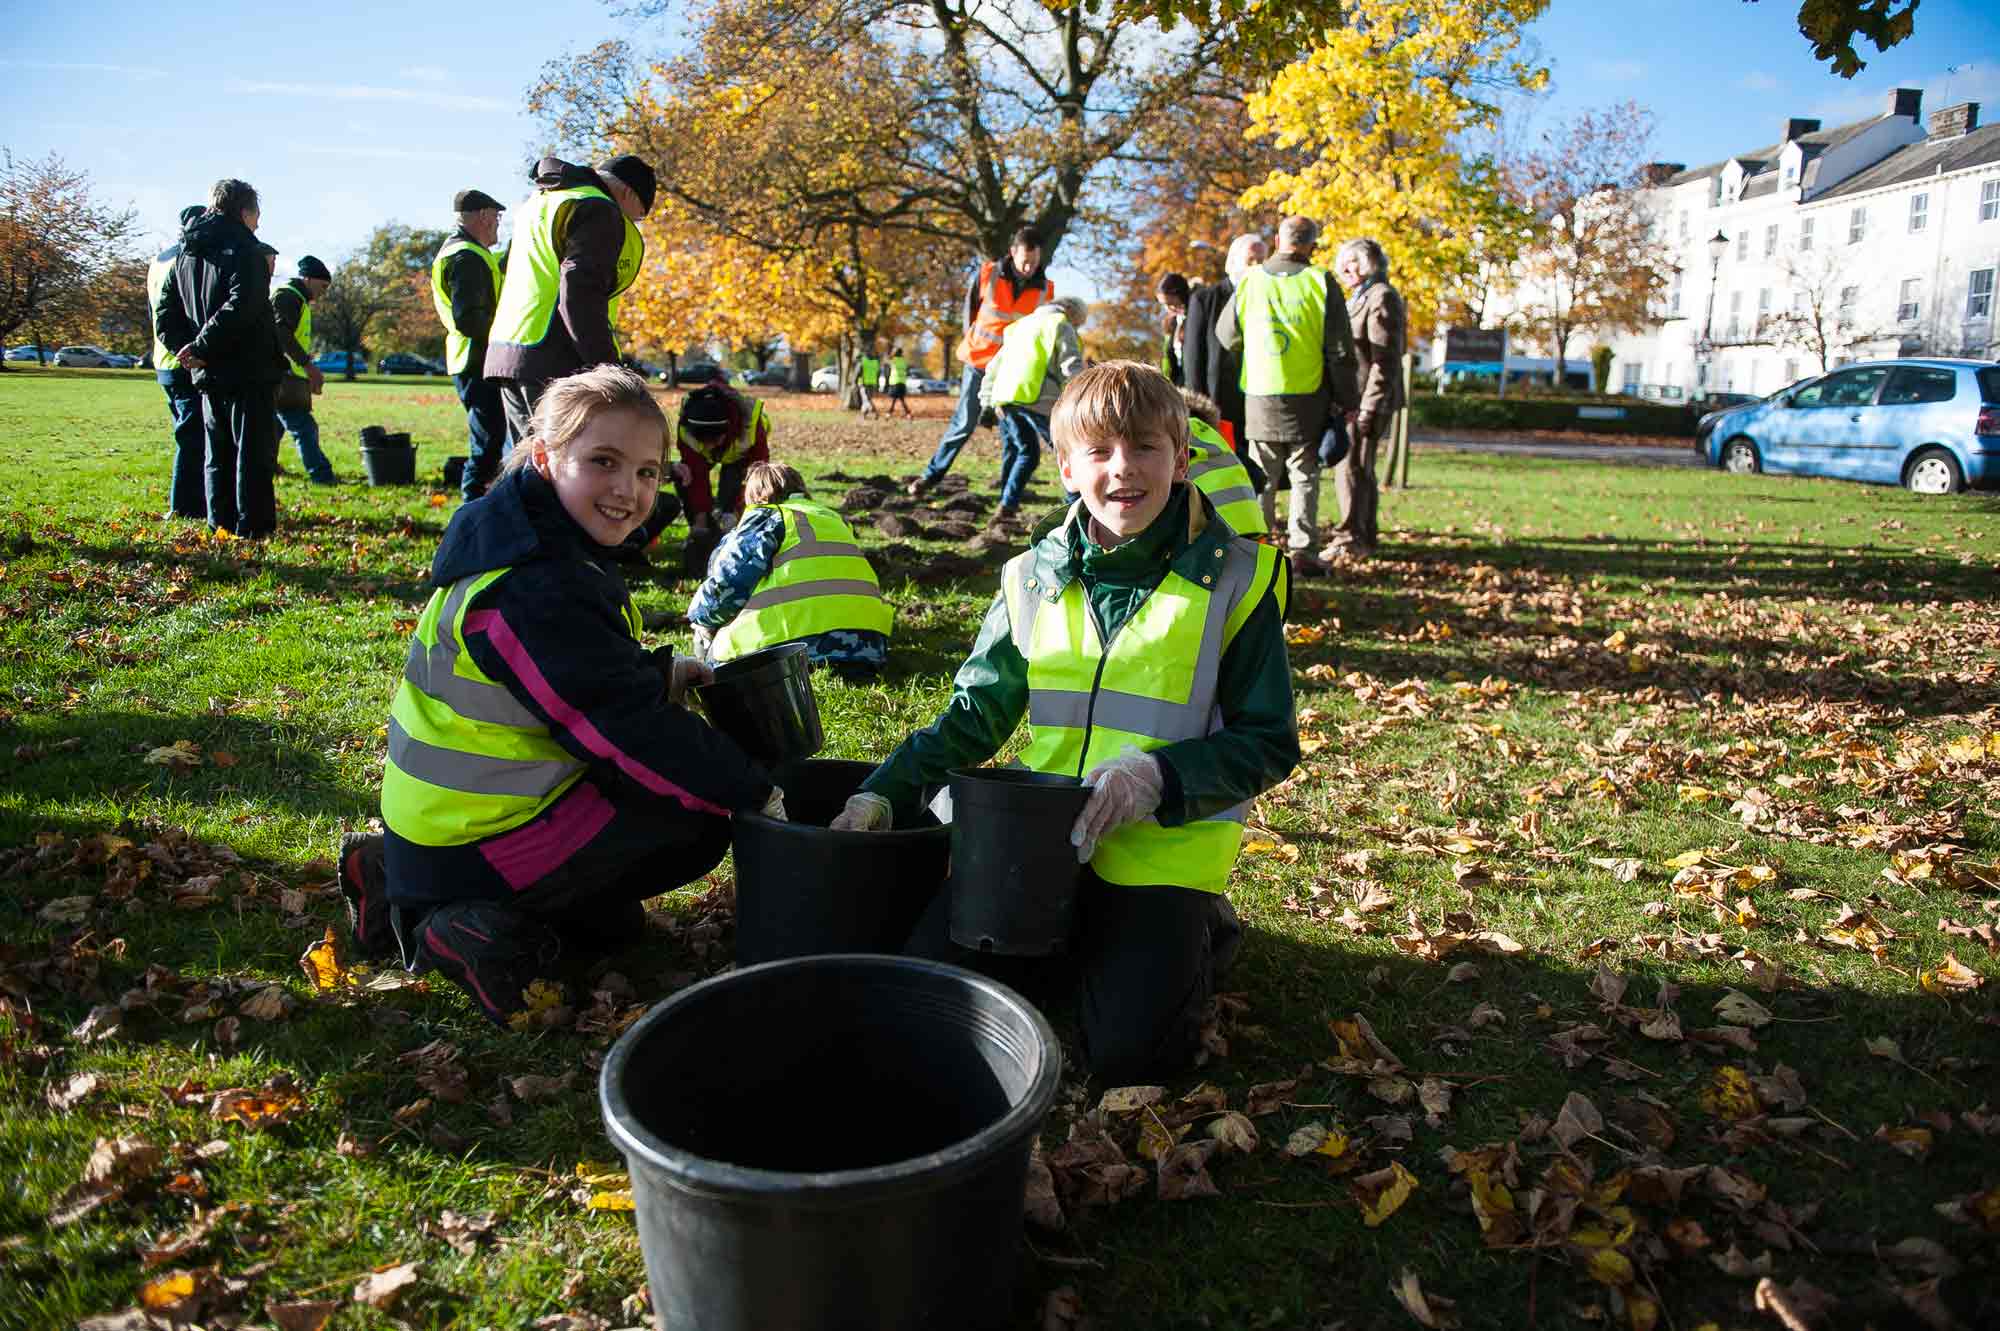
x=1591, y=749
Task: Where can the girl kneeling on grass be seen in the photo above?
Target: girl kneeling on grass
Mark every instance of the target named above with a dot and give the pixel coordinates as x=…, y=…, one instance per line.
x=543, y=778
x=791, y=571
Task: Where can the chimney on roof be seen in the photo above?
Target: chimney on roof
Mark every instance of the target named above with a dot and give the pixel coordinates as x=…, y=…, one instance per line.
x=1954, y=121
x=1659, y=173
x=1907, y=102
x=1796, y=128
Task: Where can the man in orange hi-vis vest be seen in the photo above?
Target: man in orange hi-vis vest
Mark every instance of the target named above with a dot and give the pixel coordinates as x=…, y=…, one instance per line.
x=1002, y=291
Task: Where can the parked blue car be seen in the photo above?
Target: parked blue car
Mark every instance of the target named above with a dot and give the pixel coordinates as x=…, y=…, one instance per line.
x=1932, y=426
x=336, y=362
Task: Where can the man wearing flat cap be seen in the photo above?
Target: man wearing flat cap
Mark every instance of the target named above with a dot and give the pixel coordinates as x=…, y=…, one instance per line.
x=576, y=249
x=465, y=288
x=291, y=306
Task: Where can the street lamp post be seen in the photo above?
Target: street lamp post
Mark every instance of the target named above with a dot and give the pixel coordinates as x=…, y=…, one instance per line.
x=1718, y=244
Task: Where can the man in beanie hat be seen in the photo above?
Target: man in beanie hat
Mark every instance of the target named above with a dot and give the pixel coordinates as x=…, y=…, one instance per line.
x=576, y=249
x=465, y=289
x=214, y=314
x=184, y=491
x=720, y=433
x=291, y=306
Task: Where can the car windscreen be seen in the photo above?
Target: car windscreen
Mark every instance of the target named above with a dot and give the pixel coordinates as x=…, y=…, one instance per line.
x=1989, y=385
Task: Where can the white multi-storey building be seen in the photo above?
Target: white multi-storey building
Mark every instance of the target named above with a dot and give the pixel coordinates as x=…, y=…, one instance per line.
x=1877, y=238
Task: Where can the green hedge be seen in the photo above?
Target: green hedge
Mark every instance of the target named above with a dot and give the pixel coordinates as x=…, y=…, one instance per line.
x=1431, y=412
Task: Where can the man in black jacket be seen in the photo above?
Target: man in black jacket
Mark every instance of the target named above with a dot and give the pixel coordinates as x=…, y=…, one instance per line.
x=214, y=313
x=465, y=289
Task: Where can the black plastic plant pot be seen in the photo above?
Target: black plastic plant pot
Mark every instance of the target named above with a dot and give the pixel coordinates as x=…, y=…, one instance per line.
x=372, y=435
x=831, y=1142
x=1014, y=873
x=802, y=888
x=387, y=464
x=764, y=701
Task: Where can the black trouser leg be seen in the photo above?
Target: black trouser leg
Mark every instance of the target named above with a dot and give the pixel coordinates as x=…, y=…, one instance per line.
x=1147, y=958
x=219, y=461
x=185, y=493
x=254, y=422
x=486, y=431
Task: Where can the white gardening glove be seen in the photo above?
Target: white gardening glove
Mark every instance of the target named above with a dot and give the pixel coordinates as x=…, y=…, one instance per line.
x=1122, y=790
x=865, y=812
x=774, y=807
x=704, y=639
x=687, y=670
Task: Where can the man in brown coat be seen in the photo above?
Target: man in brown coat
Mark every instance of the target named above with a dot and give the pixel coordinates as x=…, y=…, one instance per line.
x=1375, y=312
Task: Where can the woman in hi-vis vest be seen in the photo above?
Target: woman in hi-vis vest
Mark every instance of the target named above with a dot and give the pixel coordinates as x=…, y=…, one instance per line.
x=1002, y=291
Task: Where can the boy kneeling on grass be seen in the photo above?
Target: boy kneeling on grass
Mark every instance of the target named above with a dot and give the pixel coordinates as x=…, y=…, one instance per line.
x=1143, y=640
x=543, y=779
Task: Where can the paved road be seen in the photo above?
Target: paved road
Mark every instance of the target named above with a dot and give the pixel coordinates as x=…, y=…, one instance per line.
x=1641, y=455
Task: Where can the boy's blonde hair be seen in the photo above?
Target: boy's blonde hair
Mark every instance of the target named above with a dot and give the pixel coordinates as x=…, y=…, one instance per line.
x=569, y=404
x=1119, y=399
x=768, y=482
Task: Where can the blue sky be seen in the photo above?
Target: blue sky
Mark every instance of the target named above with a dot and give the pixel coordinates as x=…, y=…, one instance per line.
x=373, y=112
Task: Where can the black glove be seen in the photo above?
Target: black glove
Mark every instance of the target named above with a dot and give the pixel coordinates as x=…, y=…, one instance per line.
x=989, y=418
x=1333, y=443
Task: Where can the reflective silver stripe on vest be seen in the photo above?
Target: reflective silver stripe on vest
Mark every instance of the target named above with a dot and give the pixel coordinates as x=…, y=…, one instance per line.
x=1154, y=717
x=473, y=773
x=811, y=547
x=1222, y=498
x=800, y=591
x=433, y=673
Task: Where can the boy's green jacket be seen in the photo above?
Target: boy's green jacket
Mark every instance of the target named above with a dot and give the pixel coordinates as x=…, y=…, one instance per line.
x=1258, y=744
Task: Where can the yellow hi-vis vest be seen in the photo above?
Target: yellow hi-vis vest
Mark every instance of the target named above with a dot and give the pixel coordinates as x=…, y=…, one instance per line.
x=534, y=267
x=871, y=372
x=457, y=345
x=156, y=282
x=726, y=451
x=1284, y=331
x=1153, y=686
x=466, y=760
x=1217, y=472
x=899, y=370
x=1022, y=363
x=819, y=581
x=304, y=335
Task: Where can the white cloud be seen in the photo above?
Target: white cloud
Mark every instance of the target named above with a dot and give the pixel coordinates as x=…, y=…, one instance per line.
x=74, y=67
x=1758, y=81
x=1617, y=71
x=363, y=92
x=1966, y=83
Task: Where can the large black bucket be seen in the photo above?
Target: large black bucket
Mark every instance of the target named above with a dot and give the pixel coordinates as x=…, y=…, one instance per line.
x=388, y=464
x=831, y=1142
x=803, y=889
x=764, y=701
x=1014, y=873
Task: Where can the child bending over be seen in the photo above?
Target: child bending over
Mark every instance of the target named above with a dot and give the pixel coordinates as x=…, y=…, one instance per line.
x=791, y=571
x=1146, y=642
x=543, y=778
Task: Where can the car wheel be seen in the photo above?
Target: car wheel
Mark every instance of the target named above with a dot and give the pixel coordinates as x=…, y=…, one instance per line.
x=1739, y=456
x=1933, y=472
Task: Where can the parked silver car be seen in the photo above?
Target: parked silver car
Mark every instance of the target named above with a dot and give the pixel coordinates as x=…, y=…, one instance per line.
x=84, y=358
x=1931, y=425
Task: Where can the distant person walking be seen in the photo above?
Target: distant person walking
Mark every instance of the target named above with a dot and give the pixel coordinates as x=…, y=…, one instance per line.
x=899, y=382
x=1375, y=312
x=576, y=250
x=1209, y=367
x=1172, y=293
x=465, y=289
x=291, y=306
x=1002, y=291
x=184, y=491
x=1289, y=325
x=870, y=375
x=214, y=313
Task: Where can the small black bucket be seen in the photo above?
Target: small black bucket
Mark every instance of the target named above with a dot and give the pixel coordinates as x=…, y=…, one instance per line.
x=389, y=463
x=454, y=472
x=372, y=435
x=764, y=701
x=803, y=889
x=831, y=1142
x=1014, y=873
